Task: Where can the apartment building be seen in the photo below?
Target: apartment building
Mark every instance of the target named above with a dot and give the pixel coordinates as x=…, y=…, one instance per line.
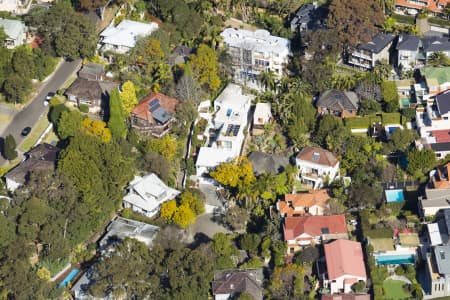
x=253, y=52
x=365, y=56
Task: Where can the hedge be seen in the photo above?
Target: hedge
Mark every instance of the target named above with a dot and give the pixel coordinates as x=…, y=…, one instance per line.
x=404, y=19
x=439, y=21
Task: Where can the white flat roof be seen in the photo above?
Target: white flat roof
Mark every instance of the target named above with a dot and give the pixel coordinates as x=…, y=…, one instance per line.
x=262, y=110
x=127, y=33
x=435, y=234
x=259, y=40
x=212, y=157
x=232, y=96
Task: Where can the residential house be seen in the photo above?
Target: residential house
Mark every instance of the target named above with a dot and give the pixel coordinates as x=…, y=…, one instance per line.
x=437, y=272
x=408, y=54
x=146, y=194
x=229, y=284
x=253, y=52
x=41, y=158
x=413, y=51
x=16, y=32
x=303, y=231
x=342, y=104
x=309, y=17
x=123, y=37
x=16, y=7
x=435, y=80
x=224, y=134
x=365, y=56
x=261, y=117
x=267, y=163
x=346, y=297
x=93, y=93
x=179, y=55
x=154, y=115
x=311, y=203
x=316, y=166
x=433, y=201
x=119, y=229
x=345, y=266
x=92, y=71
x=434, y=6
x=439, y=231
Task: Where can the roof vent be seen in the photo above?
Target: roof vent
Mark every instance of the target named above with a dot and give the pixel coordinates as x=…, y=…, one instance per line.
x=231, y=286
x=442, y=254
x=325, y=230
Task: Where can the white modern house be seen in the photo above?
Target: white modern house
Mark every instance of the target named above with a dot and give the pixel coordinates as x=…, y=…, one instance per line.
x=16, y=32
x=224, y=134
x=261, y=117
x=121, y=38
x=146, y=194
x=253, y=52
x=317, y=166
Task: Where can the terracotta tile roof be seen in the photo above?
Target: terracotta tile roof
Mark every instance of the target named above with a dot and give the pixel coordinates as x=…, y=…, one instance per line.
x=442, y=180
x=442, y=136
x=314, y=226
x=310, y=199
x=318, y=156
x=346, y=297
x=433, y=5
x=344, y=257
x=142, y=111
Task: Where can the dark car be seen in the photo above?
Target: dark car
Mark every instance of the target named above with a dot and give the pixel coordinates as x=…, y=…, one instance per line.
x=26, y=131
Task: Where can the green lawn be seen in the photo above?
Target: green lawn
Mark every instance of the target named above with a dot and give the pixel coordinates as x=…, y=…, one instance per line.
x=394, y=290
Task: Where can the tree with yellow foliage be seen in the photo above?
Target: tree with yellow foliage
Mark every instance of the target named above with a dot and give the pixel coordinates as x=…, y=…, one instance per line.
x=183, y=216
x=205, y=67
x=168, y=209
x=166, y=146
x=193, y=202
x=128, y=97
x=96, y=128
x=235, y=174
x=43, y=274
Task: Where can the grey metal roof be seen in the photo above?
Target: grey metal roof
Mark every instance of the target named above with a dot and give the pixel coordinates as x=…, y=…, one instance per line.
x=161, y=115
x=432, y=44
x=443, y=102
x=440, y=146
x=408, y=42
x=442, y=258
x=378, y=43
x=310, y=16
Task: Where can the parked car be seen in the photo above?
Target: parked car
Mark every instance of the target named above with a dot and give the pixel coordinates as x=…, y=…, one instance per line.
x=48, y=98
x=26, y=131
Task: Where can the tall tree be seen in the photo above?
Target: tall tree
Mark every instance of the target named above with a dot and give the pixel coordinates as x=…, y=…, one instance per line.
x=116, y=122
x=356, y=21
x=9, y=148
x=205, y=67
x=128, y=97
x=69, y=123
x=16, y=88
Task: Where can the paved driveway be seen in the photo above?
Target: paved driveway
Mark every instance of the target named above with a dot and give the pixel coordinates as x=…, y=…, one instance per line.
x=32, y=112
x=207, y=225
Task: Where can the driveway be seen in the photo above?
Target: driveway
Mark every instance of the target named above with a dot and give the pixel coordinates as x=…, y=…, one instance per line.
x=35, y=108
x=207, y=225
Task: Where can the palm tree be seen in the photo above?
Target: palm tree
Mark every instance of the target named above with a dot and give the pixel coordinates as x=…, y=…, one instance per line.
x=299, y=86
x=284, y=108
x=343, y=82
x=438, y=58
x=267, y=79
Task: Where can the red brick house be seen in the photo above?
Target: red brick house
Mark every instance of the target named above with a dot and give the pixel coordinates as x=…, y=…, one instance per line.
x=154, y=115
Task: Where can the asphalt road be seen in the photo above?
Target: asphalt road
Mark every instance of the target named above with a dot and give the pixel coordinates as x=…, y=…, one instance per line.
x=35, y=108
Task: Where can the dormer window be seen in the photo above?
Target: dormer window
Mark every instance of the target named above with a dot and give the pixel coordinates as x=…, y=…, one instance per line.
x=315, y=156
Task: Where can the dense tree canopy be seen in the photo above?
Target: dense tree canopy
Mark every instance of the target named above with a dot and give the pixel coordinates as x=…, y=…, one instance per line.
x=355, y=21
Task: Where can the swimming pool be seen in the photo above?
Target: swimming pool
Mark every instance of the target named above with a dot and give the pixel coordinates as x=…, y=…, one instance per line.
x=392, y=129
x=394, y=196
x=405, y=102
x=68, y=278
x=394, y=259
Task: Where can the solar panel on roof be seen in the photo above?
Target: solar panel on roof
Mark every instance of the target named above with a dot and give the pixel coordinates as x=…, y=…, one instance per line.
x=154, y=107
x=162, y=115
x=236, y=129
x=229, y=129
x=154, y=101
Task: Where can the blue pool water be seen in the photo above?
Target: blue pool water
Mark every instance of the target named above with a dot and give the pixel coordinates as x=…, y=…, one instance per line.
x=392, y=129
x=69, y=277
x=394, y=196
x=394, y=259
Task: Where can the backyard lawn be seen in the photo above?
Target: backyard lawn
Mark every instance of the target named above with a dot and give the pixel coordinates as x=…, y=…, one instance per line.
x=394, y=290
